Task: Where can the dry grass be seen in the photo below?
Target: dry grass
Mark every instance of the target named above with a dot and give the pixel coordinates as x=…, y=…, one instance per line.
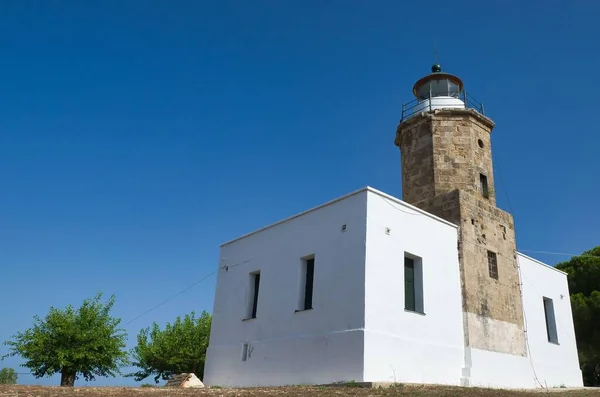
x=398, y=390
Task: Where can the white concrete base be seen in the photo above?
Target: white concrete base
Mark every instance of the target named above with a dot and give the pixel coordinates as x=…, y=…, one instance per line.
x=394, y=359
x=497, y=370
x=309, y=360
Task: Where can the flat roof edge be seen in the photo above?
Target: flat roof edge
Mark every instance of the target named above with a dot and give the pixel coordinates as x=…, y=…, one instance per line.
x=410, y=206
x=541, y=263
x=383, y=195
x=325, y=204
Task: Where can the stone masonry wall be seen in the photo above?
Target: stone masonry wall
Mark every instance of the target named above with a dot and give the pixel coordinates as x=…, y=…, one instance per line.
x=445, y=150
x=461, y=152
x=484, y=227
x=417, y=164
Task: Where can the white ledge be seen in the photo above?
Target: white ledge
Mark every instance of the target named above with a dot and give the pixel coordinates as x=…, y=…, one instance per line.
x=541, y=263
x=366, y=188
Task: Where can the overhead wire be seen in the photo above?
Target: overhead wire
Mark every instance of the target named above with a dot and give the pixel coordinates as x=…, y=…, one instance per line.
x=184, y=290
x=559, y=253
x=525, y=323
x=171, y=298
x=387, y=201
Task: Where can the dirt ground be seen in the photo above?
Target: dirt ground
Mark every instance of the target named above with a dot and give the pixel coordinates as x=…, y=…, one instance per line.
x=398, y=390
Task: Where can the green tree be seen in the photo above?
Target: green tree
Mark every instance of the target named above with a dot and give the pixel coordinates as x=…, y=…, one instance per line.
x=584, y=286
x=180, y=347
x=8, y=376
x=86, y=342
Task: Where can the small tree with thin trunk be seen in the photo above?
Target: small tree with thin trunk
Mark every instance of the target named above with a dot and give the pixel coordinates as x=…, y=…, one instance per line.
x=8, y=376
x=73, y=342
x=180, y=347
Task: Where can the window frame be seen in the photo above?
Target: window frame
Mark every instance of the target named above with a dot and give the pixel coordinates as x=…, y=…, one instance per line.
x=306, y=285
x=493, y=265
x=550, y=320
x=413, y=277
x=253, y=295
x=483, y=185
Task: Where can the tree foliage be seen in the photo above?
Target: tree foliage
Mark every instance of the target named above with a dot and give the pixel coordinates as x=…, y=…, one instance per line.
x=73, y=342
x=8, y=376
x=180, y=347
x=584, y=286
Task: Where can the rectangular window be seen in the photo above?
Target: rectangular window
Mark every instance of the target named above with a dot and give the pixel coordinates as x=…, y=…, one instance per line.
x=308, y=290
x=551, y=331
x=254, y=287
x=307, y=277
x=484, y=185
x=244, y=351
x=413, y=284
x=409, y=284
x=493, y=264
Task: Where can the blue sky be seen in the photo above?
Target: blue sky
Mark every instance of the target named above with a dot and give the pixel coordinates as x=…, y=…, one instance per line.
x=135, y=137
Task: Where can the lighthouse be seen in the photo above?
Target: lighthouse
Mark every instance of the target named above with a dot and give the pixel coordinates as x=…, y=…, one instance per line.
x=379, y=290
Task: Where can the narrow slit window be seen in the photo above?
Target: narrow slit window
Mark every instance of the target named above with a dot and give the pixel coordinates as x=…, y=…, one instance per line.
x=493, y=264
x=307, y=278
x=551, y=331
x=484, y=185
x=308, y=290
x=413, y=284
x=254, y=288
x=409, y=284
x=244, y=352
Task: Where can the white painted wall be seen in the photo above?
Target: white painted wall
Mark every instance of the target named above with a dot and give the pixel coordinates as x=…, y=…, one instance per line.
x=555, y=364
x=548, y=364
x=405, y=346
x=316, y=346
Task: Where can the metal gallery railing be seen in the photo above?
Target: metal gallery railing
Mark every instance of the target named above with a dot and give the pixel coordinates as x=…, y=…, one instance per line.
x=415, y=106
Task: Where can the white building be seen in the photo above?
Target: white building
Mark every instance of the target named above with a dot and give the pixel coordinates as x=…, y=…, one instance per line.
x=369, y=288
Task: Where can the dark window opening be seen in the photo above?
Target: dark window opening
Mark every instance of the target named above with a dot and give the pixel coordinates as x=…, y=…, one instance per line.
x=244, y=352
x=409, y=284
x=493, y=265
x=484, y=185
x=256, y=282
x=551, y=331
x=413, y=284
x=308, y=285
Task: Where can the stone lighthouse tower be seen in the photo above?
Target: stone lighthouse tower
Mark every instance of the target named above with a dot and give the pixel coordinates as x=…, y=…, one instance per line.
x=447, y=170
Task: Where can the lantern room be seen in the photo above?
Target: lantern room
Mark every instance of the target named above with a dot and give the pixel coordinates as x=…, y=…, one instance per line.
x=439, y=90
